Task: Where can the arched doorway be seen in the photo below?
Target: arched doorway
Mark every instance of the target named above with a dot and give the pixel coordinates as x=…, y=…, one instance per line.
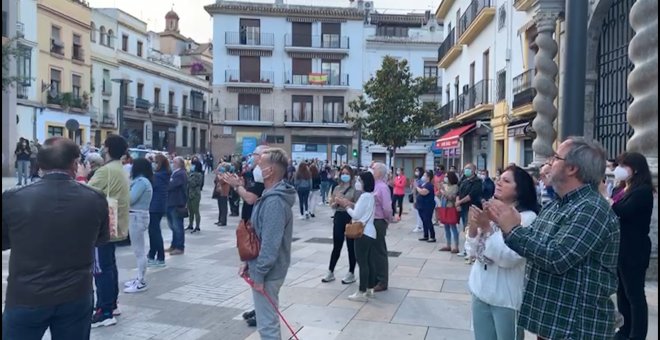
x=612, y=68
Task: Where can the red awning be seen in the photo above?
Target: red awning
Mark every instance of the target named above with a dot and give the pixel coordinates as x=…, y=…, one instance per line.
x=450, y=139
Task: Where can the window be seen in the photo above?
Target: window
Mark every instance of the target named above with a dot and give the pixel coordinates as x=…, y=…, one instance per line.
x=302, y=109
x=156, y=96
x=111, y=39
x=54, y=131
x=193, y=132
x=333, y=109
x=106, y=108
x=184, y=103
x=431, y=71
x=330, y=35
x=392, y=31
x=332, y=69
x=184, y=136
x=55, y=82
x=301, y=34
x=250, y=31
x=202, y=140
x=249, y=107
x=106, y=87
x=301, y=69
x=102, y=35
x=170, y=103
x=501, y=17
x=250, y=69
x=196, y=101
x=528, y=152
x=92, y=32
x=124, y=43
x=56, y=45
x=76, y=80
x=4, y=23
x=140, y=90
x=77, y=51
x=501, y=85
x=24, y=65
x=139, y=48
x=270, y=139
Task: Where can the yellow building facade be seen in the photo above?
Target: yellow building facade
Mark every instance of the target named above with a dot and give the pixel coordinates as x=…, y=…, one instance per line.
x=64, y=71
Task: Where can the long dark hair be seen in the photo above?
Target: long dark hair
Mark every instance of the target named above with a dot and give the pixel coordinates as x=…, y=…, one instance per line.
x=198, y=166
x=640, y=167
x=452, y=178
x=142, y=167
x=525, y=189
x=420, y=171
x=303, y=171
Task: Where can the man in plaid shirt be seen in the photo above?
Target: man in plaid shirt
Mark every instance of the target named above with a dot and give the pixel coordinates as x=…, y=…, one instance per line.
x=571, y=250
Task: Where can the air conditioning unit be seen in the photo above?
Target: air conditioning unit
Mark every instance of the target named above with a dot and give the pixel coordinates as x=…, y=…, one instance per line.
x=368, y=5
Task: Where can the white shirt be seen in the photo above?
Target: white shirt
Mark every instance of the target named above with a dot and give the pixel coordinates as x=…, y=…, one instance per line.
x=364, y=212
x=501, y=283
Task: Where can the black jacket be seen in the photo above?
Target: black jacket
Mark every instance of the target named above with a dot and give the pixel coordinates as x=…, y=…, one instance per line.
x=177, y=190
x=473, y=187
x=634, y=211
x=52, y=227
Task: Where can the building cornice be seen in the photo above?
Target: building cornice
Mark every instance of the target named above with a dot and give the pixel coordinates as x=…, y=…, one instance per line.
x=401, y=19
x=164, y=75
x=83, y=25
x=400, y=41
x=270, y=9
x=100, y=59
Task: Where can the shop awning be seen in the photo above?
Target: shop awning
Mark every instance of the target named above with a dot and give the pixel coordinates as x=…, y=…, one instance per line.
x=450, y=139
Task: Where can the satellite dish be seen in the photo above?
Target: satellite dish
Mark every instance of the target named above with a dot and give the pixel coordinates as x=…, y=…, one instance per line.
x=72, y=125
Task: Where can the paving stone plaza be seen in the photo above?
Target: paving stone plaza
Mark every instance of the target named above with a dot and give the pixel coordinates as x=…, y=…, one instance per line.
x=199, y=295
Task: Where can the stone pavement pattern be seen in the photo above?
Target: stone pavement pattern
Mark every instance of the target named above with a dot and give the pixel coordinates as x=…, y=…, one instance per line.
x=199, y=295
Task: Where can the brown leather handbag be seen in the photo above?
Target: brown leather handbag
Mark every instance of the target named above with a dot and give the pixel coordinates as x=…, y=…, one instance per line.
x=247, y=241
x=354, y=230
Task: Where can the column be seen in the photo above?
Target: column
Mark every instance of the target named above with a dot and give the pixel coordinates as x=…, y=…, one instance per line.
x=643, y=111
x=545, y=85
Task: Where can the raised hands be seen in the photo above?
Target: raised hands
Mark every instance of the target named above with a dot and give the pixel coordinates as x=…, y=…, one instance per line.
x=505, y=216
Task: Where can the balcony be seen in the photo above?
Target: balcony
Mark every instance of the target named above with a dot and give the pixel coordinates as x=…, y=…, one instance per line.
x=107, y=121
x=66, y=101
x=523, y=93
x=106, y=88
x=130, y=103
x=443, y=9
x=56, y=48
x=330, y=117
x=449, y=50
x=317, y=81
x=195, y=114
x=78, y=53
x=310, y=119
x=249, y=115
x=159, y=108
x=263, y=79
x=474, y=20
x=250, y=40
x=327, y=43
x=172, y=109
x=142, y=104
x=20, y=30
x=22, y=91
x=477, y=99
x=523, y=5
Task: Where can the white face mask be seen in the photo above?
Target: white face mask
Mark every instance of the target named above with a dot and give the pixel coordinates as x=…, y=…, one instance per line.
x=358, y=185
x=258, y=175
x=621, y=174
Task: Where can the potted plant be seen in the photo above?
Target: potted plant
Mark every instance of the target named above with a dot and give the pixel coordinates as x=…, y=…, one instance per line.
x=66, y=100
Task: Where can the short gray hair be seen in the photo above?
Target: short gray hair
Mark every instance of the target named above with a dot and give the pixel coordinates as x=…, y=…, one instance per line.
x=180, y=160
x=94, y=158
x=277, y=158
x=260, y=149
x=589, y=157
x=380, y=170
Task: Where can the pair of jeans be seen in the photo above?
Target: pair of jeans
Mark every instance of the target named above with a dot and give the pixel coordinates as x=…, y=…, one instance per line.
x=303, y=196
x=464, y=215
x=339, y=223
x=156, y=247
x=138, y=224
x=107, y=280
x=325, y=189
x=451, y=233
x=426, y=214
x=67, y=321
x=193, y=212
x=631, y=301
x=365, y=247
x=175, y=222
x=222, y=209
x=382, y=262
x=312, y=201
x=23, y=172
x=397, y=201
x=268, y=321
x=493, y=322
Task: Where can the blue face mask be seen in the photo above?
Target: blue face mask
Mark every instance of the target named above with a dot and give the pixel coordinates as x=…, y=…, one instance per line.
x=232, y=169
x=154, y=166
x=467, y=172
x=221, y=170
x=345, y=178
x=192, y=168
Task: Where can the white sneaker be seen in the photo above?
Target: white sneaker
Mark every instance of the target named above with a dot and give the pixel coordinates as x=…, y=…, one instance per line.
x=370, y=293
x=129, y=283
x=321, y=203
x=417, y=230
x=302, y=217
x=348, y=279
x=307, y=215
x=136, y=288
x=329, y=277
x=116, y=311
x=358, y=297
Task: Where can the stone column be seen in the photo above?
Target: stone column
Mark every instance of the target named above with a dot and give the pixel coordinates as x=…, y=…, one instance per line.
x=545, y=84
x=643, y=111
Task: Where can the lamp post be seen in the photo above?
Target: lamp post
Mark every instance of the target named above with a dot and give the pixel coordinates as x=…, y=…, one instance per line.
x=122, y=101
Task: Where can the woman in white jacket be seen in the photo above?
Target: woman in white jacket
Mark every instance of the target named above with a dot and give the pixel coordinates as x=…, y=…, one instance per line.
x=497, y=277
x=363, y=211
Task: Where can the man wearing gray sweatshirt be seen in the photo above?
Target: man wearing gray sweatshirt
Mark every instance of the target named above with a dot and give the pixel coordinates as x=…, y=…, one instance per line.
x=272, y=220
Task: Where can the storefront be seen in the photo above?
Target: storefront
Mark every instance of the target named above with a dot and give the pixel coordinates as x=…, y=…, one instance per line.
x=52, y=123
x=451, y=144
x=520, y=144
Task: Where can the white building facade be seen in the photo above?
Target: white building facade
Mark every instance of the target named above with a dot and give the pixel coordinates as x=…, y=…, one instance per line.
x=28, y=93
x=415, y=38
x=284, y=75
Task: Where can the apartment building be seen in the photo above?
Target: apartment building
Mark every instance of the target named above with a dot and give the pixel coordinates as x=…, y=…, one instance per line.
x=28, y=93
x=415, y=38
x=159, y=105
x=9, y=129
x=284, y=75
x=63, y=77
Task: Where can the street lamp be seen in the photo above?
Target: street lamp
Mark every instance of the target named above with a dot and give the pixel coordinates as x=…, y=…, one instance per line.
x=122, y=101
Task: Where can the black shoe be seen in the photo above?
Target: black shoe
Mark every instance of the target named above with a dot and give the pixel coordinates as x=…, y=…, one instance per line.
x=312, y=215
x=249, y=315
x=196, y=230
x=424, y=239
x=189, y=228
x=252, y=322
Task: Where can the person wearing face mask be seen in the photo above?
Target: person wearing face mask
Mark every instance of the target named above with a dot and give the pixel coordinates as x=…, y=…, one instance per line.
x=447, y=213
x=400, y=182
x=158, y=209
x=346, y=189
x=470, y=191
x=22, y=154
x=487, y=185
x=195, y=182
x=220, y=193
x=417, y=181
x=426, y=205
x=177, y=199
x=634, y=207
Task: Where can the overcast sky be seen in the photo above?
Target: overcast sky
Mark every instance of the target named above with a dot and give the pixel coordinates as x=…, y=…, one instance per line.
x=196, y=23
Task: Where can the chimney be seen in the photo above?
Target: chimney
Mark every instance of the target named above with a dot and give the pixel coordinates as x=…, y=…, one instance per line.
x=279, y=2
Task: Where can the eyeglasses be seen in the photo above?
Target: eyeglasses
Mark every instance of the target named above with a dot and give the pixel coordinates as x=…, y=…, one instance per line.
x=554, y=158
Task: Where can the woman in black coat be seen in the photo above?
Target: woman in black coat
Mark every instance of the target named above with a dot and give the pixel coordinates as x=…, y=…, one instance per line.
x=634, y=206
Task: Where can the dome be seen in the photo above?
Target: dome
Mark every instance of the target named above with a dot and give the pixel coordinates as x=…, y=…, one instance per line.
x=172, y=15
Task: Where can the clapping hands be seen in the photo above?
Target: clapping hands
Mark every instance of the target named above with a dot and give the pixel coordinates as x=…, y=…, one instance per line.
x=505, y=216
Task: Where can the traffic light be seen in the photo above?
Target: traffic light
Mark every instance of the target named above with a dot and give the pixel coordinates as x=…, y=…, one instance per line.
x=355, y=153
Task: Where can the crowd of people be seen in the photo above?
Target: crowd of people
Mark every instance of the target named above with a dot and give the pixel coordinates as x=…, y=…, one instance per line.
x=547, y=250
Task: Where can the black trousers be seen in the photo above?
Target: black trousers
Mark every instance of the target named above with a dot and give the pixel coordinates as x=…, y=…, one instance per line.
x=397, y=201
x=631, y=301
x=222, y=209
x=234, y=200
x=339, y=226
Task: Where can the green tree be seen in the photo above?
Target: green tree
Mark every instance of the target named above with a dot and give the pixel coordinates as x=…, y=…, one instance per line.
x=392, y=113
x=9, y=53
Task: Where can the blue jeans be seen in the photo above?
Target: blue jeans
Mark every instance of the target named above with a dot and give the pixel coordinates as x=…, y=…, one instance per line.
x=325, y=189
x=303, y=200
x=107, y=281
x=176, y=224
x=464, y=215
x=67, y=321
x=492, y=322
x=23, y=172
x=156, y=247
x=451, y=231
